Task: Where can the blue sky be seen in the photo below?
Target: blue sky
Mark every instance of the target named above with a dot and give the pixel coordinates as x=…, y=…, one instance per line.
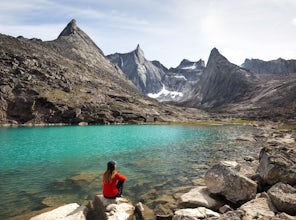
x=167, y=30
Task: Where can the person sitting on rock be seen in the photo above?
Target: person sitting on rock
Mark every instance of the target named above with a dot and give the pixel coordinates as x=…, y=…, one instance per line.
x=112, y=181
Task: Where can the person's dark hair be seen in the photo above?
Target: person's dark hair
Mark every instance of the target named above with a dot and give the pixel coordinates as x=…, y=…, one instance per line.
x=110, y=172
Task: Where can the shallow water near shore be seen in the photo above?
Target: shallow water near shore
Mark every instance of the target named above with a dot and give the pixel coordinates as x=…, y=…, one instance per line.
x=51, y=166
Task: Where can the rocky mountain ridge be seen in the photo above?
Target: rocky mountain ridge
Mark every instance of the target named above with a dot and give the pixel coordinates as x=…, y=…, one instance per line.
x=229, y=89
x=143, y=73
x=279, y=66
x=69, y=80
x=223, y=87
x=154, y=79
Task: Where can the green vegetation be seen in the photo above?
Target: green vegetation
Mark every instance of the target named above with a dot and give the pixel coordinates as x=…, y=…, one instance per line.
x=287, y=127
x=207, y=122
x=188, y=123
x=57, y=94
x=237, y=121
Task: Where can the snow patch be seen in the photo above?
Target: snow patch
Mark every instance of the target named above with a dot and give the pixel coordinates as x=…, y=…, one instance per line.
x=189, y=67
x=180, y=77
x=165, y=92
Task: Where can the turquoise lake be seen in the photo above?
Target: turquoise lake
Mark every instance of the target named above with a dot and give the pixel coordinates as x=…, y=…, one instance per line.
x=46, y=166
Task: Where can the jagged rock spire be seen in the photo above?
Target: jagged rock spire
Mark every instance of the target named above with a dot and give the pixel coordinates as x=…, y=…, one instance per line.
x=140, y=53
x=71, y=28
x=215, y=56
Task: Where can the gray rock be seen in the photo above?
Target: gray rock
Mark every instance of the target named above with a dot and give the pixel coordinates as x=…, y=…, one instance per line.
x=232, y=215
x=225, y=208
x=279, y=66
x=284, y=216
x=283, y=197
x=278, y=164
x=223, y=179
x=194, y=214
x=115, y=209
x=143, y=73
x=259, y=207
x=142, y=212
x=70, y=212
x=222, y=83
x=200, y=196
x=152, y=78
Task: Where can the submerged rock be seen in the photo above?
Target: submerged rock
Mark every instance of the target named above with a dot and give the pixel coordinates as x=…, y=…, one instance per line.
x=225, y=179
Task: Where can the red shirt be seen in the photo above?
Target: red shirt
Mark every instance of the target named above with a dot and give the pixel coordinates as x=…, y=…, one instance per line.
x=110, y=189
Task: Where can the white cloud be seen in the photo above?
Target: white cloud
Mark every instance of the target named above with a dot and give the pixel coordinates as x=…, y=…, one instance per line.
x=167, y=30
x=294, y=21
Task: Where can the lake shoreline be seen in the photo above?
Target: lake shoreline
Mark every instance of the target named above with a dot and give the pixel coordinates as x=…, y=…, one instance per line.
x=271, y=128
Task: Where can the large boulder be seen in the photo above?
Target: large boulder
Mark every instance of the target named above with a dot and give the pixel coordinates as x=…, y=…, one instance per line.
x=283, y=197
x=71, y=211
x=200, y=196
x=278, y=164
x=224, y=179
x=194, y=214
x=259, y=207
x=113, y=209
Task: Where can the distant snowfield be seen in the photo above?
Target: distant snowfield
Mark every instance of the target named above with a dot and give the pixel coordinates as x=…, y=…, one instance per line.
x=165, y=92
x=190, y=67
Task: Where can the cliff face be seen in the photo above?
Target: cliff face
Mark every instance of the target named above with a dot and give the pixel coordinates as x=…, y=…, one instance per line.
x=69, y=80
x=221, y=83
x=143, y=73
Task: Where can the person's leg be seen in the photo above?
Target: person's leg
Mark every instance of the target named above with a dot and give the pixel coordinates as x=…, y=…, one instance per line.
x=119, y=187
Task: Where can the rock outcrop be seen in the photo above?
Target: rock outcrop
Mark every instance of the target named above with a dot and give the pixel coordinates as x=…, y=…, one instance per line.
x=115, y=209
x=277, y=164
x=200, y=196
x=196, y=213
x=283, y=197
x=224, y=179
x=71, y=211
x=258, y=207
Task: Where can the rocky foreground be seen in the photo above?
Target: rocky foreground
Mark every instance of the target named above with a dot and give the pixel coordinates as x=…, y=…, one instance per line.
x=252, y=188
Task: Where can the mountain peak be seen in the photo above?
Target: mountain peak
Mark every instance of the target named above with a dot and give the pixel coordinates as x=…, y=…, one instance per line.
x=216, y=56
x=139, y=52
x=71, y=28
x=215, y=52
